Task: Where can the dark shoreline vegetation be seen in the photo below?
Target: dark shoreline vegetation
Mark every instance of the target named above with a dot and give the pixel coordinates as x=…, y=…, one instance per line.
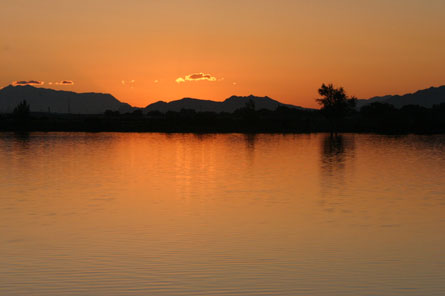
x=338, y=114
x=373, y=118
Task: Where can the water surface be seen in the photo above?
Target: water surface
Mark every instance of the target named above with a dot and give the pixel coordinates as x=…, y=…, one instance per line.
x=184, y=214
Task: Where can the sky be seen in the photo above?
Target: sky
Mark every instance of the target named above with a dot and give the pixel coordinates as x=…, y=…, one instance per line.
x=143, y=51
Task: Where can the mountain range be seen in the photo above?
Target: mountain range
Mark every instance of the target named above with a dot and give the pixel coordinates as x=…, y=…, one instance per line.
x=56, y=101
x=426, y=98
x=229, y=105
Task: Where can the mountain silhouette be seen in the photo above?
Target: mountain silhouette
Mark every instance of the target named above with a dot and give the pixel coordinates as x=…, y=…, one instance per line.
x=56, y=101
x=426, y=98
x=229, y=105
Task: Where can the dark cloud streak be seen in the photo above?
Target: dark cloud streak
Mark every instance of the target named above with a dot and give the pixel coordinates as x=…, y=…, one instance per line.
x=28, y=82
x=65, y=82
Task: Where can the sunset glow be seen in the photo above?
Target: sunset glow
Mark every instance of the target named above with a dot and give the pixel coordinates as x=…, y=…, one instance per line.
x=145, y=51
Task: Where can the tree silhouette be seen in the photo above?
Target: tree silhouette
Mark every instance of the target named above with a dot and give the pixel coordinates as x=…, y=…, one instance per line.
x=335, y=104
x=250, y=105
x=21, y=111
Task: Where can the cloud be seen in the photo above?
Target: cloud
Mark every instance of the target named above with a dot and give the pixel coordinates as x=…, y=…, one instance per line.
x=128, y=83
x=196, y=77
x=200, y=76
x=28, y=82
x=64, y=82
x=124, y=82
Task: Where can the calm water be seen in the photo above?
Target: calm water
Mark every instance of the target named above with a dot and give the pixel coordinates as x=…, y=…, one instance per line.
x=155, y=214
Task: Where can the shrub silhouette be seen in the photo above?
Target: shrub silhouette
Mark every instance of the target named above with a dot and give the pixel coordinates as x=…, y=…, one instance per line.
x=21, y=111
x=378, y=110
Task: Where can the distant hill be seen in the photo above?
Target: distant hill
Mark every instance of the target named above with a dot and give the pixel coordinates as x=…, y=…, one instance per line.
x=426, y=98
x=229, y=105
x=56, y=101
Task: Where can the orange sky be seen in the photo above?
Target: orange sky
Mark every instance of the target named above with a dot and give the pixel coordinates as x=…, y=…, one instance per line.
x=137, y=50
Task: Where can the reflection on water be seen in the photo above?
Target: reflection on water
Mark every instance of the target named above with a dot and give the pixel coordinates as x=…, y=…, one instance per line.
x=21, y=139
x=250, y=141
x=337, y=155
x=335, y=149
x=185, y=214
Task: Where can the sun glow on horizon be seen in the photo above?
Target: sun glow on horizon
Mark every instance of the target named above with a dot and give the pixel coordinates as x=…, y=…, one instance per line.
x=142, y=52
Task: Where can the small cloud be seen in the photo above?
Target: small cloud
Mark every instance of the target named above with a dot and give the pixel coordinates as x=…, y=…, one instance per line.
x=197, y=77
x=124, y=82
x=200, y=76
x=28, y=82
x=64, y=82
x=234, y=83
x=129, y=83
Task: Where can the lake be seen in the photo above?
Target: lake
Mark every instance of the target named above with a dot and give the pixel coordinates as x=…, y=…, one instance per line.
x=223, y=214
